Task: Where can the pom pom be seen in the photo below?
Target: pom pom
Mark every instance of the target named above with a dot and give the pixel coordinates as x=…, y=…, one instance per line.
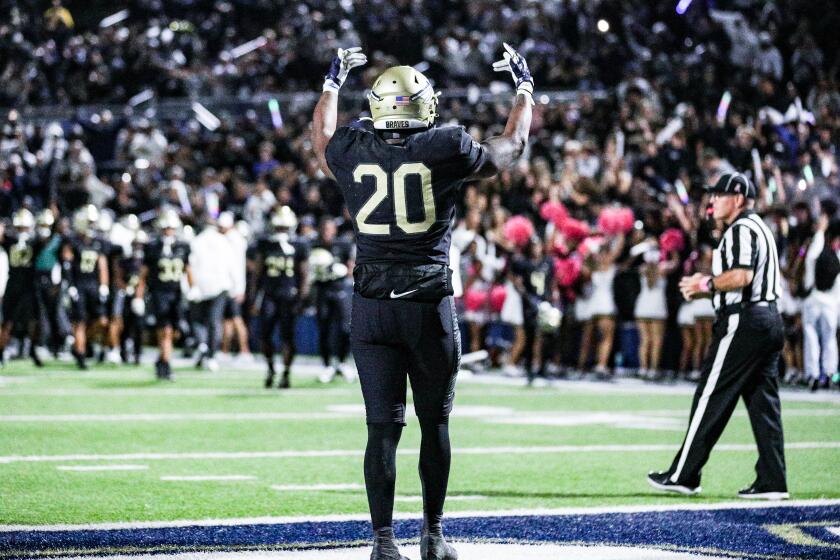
x=497, y=298
x=519, y=230
x=672, y=239
x=567, y=271
x=614, y=220
x=555, y=213
x=575, y=229
x=475, y=299
x=590, y=245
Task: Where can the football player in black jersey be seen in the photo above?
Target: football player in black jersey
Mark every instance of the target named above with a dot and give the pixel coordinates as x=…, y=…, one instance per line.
x=534, y=277
x=22, y=247
x=331, y=264
x=88, y=281
x=165, y=265
x=128, y=277
x=280, y=276
x=400, y=177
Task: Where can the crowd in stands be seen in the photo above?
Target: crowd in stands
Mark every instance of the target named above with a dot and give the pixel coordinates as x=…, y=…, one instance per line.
x=567, y=262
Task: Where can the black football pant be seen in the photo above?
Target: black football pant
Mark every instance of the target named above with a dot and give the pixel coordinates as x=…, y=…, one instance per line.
x=333, y=307
x=394, y=341
x=51, y=330
x=279, y=312
x=742, y=362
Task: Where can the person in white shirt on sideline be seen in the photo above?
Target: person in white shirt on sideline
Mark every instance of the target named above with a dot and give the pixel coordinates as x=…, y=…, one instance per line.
x=234, y=324
x=213, y=263
x=820, y=308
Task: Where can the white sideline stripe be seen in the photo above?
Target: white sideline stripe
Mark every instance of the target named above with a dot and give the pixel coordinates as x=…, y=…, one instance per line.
x=268, y=520
x=208, y=477
x=316, y=487
x=834, y=531
x=175, y=416
x=317, y=453
x=86, y=468
x=415, y=499
x=502, y=415
x=720, y=356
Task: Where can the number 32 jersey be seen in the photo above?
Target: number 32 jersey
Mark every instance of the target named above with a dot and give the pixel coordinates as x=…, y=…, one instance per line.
x=167, y=265
x=402, y=198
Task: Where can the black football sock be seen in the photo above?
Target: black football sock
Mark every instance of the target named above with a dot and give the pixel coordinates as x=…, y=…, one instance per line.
x=435, y=458
x=381, y=471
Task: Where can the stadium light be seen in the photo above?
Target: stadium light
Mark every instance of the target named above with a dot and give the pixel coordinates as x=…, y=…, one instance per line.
x=603, y=25
x=682, y=6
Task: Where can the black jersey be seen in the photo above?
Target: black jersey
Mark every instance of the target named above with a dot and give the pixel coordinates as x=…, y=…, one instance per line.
x=130, y=268
x=281, y=265
x=537, y=276
x=85, y=265
x=402, y=198
x=167, y=264
x=22, y=252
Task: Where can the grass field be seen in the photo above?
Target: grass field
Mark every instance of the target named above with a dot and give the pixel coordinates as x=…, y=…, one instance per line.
x=299, y=452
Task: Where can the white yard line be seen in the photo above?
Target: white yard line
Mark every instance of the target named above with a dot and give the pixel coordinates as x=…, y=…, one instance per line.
x=175, y=416
x=207, y=477
x=233, y=522
x=504, y=415
x=316, y=487
x=96, y=468
x=418, y=499
x=320, y=453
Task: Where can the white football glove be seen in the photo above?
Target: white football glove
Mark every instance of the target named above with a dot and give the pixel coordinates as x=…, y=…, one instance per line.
x=138, y=307
x=193, y=294
x=513, y=62
x=344, y=61
x=104, y=292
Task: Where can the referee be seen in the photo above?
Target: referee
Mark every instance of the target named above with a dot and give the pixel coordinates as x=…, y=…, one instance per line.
x=742, y=359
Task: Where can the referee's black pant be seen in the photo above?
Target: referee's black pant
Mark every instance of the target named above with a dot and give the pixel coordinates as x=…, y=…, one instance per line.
x=742, y=362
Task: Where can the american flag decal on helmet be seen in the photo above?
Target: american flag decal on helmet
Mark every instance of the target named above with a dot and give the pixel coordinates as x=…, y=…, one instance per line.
x=402, y=100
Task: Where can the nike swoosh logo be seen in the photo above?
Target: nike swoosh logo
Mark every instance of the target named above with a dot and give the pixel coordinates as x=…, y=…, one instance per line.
x=395, y=295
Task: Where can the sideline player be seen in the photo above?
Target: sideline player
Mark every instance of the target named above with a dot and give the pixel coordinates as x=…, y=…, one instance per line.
x=742, y=361
x=19, y=308
x=400, y=177
x=88, y=280
x=280, y=275
x=165, y=264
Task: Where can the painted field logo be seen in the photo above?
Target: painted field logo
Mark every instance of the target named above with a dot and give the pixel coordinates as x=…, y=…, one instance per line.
x=794, y=531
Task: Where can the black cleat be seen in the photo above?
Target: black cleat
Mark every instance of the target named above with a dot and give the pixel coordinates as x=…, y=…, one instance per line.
x=662, y=481
x=269, y=379
x=434, y=547
x=384, y=547
x=80, y=360
x=159, y=369
x=167, y=371
x=758, y=493
x=284, y=381
x=36, y=359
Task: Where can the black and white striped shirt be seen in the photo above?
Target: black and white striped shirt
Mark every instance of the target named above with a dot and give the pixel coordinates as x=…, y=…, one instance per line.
x=748, y=243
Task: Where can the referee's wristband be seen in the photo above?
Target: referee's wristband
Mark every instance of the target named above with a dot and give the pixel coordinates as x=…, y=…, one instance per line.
x=708, y=284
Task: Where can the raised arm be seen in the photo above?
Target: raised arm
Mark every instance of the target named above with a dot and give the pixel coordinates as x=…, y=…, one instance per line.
x=506, y=148
x=325, y=116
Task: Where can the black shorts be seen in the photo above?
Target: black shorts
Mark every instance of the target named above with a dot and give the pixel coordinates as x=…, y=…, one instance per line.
x=278, y=311
x=395, y=339
x=87, y=306
x=233, y=308
x=19, y=305
x=166, y=307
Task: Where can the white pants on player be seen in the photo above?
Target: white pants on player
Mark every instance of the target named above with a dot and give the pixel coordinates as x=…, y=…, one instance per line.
x=819, y=324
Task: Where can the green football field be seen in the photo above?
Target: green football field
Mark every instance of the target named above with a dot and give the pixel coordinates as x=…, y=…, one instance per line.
x=112, y=444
